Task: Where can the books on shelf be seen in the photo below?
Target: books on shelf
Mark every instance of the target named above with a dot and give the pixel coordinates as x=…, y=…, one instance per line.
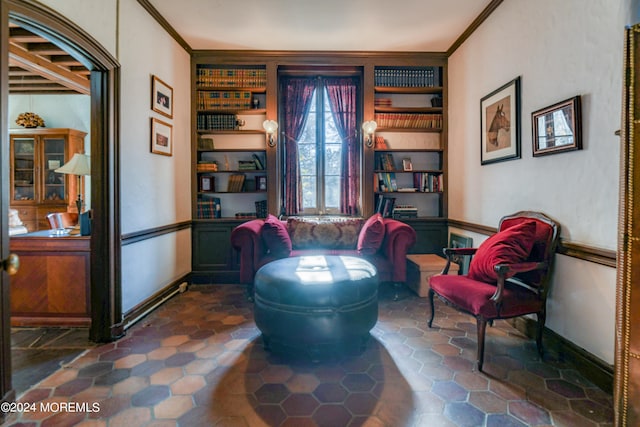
x=224, y=100
x=406, y=77
x=386, y=162
x=247, y=165
x=261, y=208
x=428, y=182
x=212, y=121
x=384, y=206
x=386, y=182
x=231, y=77
x=404, y=211
x=258, y=161
x=235, y=183
x=409, y=120
x=209, y=207
x=245, y=215
x=207, y=166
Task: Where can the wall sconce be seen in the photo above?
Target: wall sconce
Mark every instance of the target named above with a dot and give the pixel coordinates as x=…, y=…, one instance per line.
x=270, y=127
x=369, y=129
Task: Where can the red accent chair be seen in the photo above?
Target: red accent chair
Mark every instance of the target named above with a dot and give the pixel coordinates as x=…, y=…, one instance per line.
x=508, y=274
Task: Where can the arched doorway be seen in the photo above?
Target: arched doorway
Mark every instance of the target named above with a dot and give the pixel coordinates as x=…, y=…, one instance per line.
x=106, y=313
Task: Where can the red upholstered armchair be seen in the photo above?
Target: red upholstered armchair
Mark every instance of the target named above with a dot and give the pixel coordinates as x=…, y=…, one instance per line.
x=508, y=275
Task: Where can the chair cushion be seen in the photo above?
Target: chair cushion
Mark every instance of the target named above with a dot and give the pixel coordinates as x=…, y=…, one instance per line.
x=508, y=246
x=276, y=237
x=473, y=296
x=371, y=236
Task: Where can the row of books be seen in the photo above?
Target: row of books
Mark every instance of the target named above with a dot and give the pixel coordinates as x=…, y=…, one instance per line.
x=235, y=183
x=224, y=100
x=409, y=120
x=385, y=162
x=231, y=77
x=428, y=182
x=384, y=206
x=386, y=182
x=406, y=77
x=210, y=121
x=209, y=207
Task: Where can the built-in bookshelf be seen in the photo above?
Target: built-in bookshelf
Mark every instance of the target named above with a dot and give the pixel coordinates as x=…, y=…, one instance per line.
x=409, y=179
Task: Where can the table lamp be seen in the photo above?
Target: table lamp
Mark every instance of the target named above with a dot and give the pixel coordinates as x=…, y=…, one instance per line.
x=79, y=165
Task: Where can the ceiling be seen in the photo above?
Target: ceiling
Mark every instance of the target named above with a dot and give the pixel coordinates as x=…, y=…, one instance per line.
x=351, y=25
x=37, y=66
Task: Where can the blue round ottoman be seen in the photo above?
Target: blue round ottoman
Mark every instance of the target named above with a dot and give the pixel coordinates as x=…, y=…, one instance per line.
x=318, y=305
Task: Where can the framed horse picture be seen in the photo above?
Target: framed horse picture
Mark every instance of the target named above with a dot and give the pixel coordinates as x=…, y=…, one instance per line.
x=500, y=124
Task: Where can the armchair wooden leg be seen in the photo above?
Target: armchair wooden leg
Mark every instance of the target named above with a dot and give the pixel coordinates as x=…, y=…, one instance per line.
x=542, y=316
x=482, y=327
x=433, y=311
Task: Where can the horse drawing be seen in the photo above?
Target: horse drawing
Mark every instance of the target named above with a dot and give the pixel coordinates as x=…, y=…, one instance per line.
x=499, y=127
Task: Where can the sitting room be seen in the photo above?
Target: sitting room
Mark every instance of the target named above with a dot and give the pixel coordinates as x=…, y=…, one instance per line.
x=334, y=214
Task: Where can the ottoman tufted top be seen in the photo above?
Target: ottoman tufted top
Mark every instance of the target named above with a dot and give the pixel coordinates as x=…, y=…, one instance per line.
x=322, y=281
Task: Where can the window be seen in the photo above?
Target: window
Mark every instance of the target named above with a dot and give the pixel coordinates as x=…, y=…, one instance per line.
x=321, y=152
x=319, y=157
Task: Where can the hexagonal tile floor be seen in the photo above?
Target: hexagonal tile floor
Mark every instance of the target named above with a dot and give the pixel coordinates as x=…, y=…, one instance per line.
x=199, y=361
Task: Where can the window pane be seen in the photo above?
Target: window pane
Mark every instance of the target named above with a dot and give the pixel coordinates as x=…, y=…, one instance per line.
x=309, y=195
x=332, y=163
x=332, y=191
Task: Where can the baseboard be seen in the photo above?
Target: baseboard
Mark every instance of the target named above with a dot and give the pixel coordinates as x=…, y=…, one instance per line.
x=594, y=369
x=151, y=303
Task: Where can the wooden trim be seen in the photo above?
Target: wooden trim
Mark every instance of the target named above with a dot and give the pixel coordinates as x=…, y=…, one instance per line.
x=593, y=368
x=575, y=250
x=150, y=233
x=491, y=7
x=146, y=306
x=146, y=5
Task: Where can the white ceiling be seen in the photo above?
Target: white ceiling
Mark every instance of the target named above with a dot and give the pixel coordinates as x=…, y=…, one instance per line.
x=356, y=25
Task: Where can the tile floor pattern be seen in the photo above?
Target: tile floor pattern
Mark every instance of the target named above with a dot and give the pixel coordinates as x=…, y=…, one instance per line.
x=199, y=361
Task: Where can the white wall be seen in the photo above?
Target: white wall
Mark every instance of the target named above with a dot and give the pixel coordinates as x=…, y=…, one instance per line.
x=560, y=49
x=155, y=190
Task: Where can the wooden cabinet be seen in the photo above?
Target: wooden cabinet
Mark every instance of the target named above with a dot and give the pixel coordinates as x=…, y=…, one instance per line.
x=52, y=287
x=214, y=260
x=35, y=188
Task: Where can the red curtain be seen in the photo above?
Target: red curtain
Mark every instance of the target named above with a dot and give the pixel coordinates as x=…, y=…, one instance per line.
x=343, y=99
x=296, y=102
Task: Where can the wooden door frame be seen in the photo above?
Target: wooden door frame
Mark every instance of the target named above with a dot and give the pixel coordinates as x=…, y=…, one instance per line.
x=106, y=301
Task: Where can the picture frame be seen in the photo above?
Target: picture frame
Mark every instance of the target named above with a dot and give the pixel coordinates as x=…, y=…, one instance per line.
x=407, y=166
x=261, y=183
x=161, y=137
x=459, y=241
x=500, y=124
x=557, y=128
x=161, y=97
x=207, y=184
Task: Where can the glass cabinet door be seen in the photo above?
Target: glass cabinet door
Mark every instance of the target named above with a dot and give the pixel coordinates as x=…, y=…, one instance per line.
x=53, y=158
x=23, y=169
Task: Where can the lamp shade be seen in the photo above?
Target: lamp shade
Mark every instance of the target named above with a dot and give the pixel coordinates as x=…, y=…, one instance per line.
x=80, y=164
x=369, y=127
x=270, y=126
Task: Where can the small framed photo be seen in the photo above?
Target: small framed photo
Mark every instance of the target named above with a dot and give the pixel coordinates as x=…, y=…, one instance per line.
x=161, y=97
x=161, y=137
x=261, y=183
x=557, y=128
x=500, y=124
x=207, y=183
x=406, y=164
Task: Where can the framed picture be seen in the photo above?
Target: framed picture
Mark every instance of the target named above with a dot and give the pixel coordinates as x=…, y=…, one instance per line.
x=458, y=241
x=261, y=183
x=557, y=128
x=207, y=183
x=161, y=97
x=161, y=137
x=500, y=124
x=406, y=164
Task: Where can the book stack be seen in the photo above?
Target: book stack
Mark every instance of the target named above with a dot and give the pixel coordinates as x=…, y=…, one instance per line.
x=247, y=165
x=382, y=102
x=236, y=182
x=261, y=209
x=224, y=100
x=231, y=77
x=207, y=166
x=209, y=208
x=409, y=120
x=245, y=215
x=404, y=211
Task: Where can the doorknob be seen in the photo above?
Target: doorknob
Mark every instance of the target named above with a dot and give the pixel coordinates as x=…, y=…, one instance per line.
x=11, y=264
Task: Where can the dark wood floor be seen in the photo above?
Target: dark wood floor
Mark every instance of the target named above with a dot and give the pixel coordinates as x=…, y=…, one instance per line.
x=36, y=353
